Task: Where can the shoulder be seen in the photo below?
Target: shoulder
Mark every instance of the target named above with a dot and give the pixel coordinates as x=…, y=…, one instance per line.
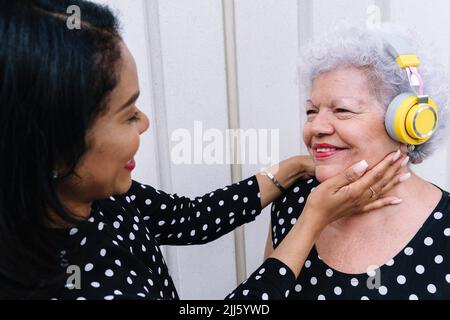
x=445, y=203
x=138, y=188
x=296, y=195
x=431, y=247
x=291, y=203
x=286, y=210
x=137, y=196
x=441, y=214
x=137, y=193
x=436, y=229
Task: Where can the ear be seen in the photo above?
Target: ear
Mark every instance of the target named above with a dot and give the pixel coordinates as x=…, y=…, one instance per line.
x=404, y=148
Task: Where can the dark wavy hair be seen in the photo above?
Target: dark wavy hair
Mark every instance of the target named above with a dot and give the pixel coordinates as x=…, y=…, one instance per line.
x=54, y=82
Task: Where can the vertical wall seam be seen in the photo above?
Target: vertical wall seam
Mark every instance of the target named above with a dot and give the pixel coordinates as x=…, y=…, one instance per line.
x=161, y=131
x=305, y=27
x=229, y=27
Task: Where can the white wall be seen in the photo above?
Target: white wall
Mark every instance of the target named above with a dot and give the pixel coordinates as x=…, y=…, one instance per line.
x=179, y=48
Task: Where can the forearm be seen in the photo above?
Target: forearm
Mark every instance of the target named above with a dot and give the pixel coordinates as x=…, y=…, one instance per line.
x=178, y=220
x=286, y=172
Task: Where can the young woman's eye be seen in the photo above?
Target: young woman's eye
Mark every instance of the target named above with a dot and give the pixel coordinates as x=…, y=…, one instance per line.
x=134, y=118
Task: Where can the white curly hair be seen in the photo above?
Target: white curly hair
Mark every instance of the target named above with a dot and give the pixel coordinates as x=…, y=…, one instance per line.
x=365, y=48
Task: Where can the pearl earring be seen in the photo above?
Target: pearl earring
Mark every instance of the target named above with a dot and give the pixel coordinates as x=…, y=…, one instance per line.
x=411, y=148
x=55, y=174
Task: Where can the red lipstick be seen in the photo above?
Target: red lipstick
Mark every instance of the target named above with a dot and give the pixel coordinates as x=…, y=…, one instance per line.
x=130, y=165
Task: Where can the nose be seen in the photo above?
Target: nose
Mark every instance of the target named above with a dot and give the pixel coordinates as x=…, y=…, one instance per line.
x=144, y=124
x=321, y=124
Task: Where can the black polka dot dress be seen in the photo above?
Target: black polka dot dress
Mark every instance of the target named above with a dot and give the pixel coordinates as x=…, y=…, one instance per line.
x=119, y=243
x=420, y=271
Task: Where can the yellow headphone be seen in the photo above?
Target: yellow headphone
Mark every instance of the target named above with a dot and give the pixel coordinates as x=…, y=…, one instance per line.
x=411, y=117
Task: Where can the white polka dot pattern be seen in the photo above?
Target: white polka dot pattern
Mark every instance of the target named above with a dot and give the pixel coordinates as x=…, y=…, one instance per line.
x=122, y=236
x=419, y=271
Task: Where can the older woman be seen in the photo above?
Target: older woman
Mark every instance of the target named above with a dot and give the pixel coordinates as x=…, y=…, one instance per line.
x=387, y=253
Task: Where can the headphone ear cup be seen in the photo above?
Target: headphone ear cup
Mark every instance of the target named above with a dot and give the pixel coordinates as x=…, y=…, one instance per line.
x=395, y=118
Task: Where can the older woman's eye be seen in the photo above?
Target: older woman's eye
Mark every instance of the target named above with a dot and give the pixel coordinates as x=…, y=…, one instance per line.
x=341, y=110
x=309, y=112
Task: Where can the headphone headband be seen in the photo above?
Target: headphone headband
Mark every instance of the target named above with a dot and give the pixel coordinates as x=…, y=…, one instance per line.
x=401, y=51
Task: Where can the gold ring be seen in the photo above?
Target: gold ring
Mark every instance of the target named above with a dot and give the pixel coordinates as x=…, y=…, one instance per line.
x=373, y=193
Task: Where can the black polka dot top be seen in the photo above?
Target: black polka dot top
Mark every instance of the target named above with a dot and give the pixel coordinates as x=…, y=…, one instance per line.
x=420, y=271
x=121, y=258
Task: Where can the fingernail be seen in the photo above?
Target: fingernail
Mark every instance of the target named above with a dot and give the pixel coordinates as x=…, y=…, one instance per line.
x=405, y=161
x=360, y=168
x=405, y=177
x=396, y=155
x=396, y=201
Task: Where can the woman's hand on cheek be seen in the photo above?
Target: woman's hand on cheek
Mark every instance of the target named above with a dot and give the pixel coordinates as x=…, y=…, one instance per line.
x=355, y=190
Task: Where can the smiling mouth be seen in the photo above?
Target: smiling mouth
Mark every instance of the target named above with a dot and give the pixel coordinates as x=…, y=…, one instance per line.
x=322, y=151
